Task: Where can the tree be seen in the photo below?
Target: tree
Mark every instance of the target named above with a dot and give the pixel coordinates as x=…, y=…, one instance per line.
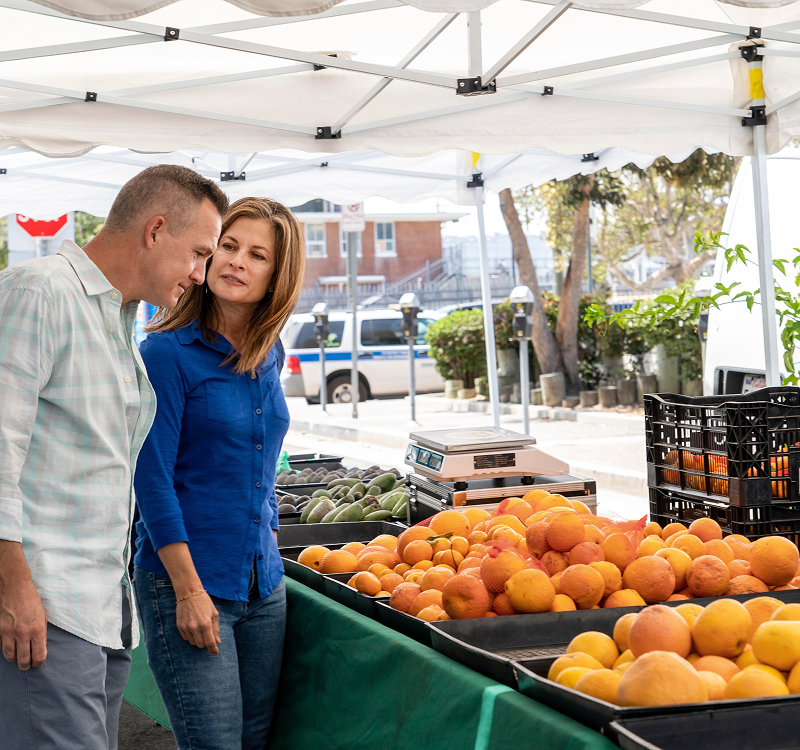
x=665, y=205
x=86, y=227
x=567, y=205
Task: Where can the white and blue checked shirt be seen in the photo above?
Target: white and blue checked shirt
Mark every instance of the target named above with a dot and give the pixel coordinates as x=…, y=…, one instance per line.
x=75, y=408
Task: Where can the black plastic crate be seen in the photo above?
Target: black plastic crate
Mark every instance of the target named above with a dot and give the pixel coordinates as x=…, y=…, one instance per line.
x=751, y=521
x=335, y=587
x=769, y=724
x=315, y=461
x=740, y=449
x=403, y=623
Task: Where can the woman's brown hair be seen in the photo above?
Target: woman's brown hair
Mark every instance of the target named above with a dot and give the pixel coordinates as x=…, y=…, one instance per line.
x=273, y=311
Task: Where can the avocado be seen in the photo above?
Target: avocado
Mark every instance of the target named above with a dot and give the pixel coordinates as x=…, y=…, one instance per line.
x=323, y=508
x=353, y=513
x=328, y=517
x=321, y=493
x=385, y=481
x=286, y=509
x=378, y=515
x=312, y=503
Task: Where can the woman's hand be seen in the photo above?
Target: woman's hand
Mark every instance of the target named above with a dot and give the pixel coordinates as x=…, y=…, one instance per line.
x=198, y=622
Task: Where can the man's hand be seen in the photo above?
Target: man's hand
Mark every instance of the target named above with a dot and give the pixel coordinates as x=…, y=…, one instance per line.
x=198, y=622
x=23, y=625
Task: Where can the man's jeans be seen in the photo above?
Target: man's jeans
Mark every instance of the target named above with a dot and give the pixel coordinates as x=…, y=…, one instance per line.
x=222, y=702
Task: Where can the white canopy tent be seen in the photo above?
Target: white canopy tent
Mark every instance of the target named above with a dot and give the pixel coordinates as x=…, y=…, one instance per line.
x=408, y=78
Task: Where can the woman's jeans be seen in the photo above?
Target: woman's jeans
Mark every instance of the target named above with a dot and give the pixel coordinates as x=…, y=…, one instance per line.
x=222, y=702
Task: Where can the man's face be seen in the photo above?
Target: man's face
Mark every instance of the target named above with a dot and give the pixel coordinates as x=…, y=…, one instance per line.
x=177, y=262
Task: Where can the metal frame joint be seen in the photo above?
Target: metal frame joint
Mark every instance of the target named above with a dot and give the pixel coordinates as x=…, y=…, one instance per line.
x=326, y=134
x=474, y=87
x=590, y=157
x=476, y=181
x=3, y=170
x=750, y=52
x=758, y=116
x=91, y=96
x=171, y=34
x=754, y=33
x=548, y=91
x=231, y=176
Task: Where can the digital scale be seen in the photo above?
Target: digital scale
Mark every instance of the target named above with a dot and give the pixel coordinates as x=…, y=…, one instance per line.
x=458, y=467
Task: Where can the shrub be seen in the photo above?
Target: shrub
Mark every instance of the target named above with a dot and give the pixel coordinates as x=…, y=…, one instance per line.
x=457, y=346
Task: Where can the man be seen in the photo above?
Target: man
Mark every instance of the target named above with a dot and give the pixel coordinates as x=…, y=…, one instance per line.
x=75, y=407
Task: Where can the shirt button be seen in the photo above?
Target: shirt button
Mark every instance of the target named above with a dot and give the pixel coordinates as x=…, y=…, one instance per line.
x=257, y=520
x=114, y=295
x=111, y=331
x=258, y=411
x=261, y=557
x=258, y=447
x=258, y=484
x=127, y=379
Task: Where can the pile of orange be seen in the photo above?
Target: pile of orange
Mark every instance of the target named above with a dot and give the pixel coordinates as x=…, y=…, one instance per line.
x=549, y=553
x=688, y=654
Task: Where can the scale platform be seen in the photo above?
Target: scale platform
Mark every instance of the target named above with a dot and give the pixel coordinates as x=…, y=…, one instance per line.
x=462, y=455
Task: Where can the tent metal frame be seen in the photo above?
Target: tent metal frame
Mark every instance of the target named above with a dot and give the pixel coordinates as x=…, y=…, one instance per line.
x=497, y=90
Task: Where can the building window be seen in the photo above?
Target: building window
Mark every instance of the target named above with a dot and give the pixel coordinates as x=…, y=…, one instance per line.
x=343, y=245
x=384, y=239
x=315, y=241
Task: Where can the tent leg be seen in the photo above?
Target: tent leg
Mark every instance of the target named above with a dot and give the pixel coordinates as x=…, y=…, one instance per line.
x=488, y=317
x=765, y=273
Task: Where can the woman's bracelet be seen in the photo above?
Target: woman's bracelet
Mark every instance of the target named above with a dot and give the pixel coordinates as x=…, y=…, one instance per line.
x=196, y=593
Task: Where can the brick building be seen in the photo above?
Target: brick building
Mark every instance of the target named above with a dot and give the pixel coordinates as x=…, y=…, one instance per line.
x=392, y=247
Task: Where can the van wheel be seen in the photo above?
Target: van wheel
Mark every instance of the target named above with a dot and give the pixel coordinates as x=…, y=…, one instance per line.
x=340, y=391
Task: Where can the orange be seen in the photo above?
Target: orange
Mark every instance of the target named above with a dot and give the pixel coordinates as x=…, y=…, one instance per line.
x=621, y=629
x=787, y=612
x=410, y=535
x=624, y=598
x=747, y=658
x=377, y=569
x=367, y=583
x=580, y=507
x=761, y=609
x=413, y=576
x=745, y=584
x=475, y=516
x=386, y=540
x=584, y=585
x=553, y=501
x=624, y=657
x=754, y=683
x=670, y=540
x=680, y=563
x=705, y=529
x=689, y=612
x=596, y=644
x=719, y=549
x=794, y=680
x=536, y=538
x=423, y=565
x=708, y=576
x=619, y=550
x=769, y=670
x=715, y=685
x=459, y=544
x=465, y=597
x=611, y=576
x=672, y=528
x=338, y=561
x=426, y=599
x=722, y=629
x=601, y=684
x=570, y=661
x=562, y=603
x=404, y=595
x=570, y=676
x=436, y=578
x=431, y=613
x=586, y=553
x=659, y=628
x=739, y=568
x=691, y=545
x=512, y=522
x=649, y=547
x=774, y=560
x=311, y=557
x=402, y=568
x=449, y=521
x=661, y=678
x=652, y=577
x=534, y=496
x=391, y=581
x=741, y=551
x=354, y=547
x=564, y=532
x=502, y=605
x=652, y=528
x=439, y=545
x=725, y=668
x=469, y=562
x=677, y=598
x=498, y=566
x=476, y=537
x=777, y=643
x=378, y=554
x=554, y=580
x=448, y=557
x=530, y=591
x=555, y=562
x=417, y=551
x=592, y=534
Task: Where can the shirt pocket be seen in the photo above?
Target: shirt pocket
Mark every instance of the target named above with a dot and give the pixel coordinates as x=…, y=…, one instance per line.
x=225, y=402
x=279, y=407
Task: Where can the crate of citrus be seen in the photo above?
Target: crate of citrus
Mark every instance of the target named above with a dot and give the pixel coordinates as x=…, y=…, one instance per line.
x=664, y=658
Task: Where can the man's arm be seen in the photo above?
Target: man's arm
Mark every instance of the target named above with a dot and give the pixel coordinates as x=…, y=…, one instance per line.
x=26, y=360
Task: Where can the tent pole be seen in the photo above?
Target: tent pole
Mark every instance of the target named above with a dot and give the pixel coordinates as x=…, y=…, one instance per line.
x=765, y=274
x=488, y=313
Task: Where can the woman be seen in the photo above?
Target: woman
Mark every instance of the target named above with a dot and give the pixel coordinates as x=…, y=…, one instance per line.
x=208, y=577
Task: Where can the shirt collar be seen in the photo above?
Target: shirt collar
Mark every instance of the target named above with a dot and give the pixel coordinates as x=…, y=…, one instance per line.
x=192, y=332
x=92, y=278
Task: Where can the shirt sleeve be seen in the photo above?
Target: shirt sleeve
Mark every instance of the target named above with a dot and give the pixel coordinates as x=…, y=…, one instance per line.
x=273, y=502
x=26, y=362
x=154, y=482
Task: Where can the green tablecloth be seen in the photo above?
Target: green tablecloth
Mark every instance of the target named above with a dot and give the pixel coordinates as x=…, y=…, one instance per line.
x=349, y=682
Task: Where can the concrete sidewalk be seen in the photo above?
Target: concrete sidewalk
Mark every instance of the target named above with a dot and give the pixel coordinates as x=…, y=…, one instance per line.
x=606, y=446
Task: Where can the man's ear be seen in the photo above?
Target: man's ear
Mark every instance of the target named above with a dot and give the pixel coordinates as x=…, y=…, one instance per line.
x=154, y=227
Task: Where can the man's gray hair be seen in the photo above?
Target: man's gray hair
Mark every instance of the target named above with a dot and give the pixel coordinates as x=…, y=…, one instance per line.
x=167, y=190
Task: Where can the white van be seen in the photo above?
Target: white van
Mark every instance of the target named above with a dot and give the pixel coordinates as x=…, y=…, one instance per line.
x=382, y=356
x=734, y=356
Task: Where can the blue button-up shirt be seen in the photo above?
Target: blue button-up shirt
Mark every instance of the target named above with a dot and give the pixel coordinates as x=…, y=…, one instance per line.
x=206, y=473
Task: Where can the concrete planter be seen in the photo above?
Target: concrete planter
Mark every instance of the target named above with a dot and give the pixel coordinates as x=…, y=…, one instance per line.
x=465, y=393
x=692, y=388
x=626, y=392
x=482, y=386
x=646, y=384
x=536, y=397
x=570, y=402
x=669, y=371
x=451, y=388
x=589, y=398
x=608, y=395
x=554, y=388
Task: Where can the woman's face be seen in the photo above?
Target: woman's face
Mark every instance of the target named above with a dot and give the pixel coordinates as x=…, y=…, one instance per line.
x=241, y=269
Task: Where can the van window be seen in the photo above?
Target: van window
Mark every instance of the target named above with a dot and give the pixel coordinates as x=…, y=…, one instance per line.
x=382, y=332
x=306, y=338
x=422, y=329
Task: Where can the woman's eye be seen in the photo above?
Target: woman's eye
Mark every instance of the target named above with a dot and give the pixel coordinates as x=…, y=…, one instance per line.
x=227, y=246
x=258, y=256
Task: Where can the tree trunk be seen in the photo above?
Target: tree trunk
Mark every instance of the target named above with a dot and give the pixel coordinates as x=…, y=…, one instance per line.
x=569, y=304
x=544, y=343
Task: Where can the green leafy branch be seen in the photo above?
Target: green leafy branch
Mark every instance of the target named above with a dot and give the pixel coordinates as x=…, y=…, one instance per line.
x=666, y=306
